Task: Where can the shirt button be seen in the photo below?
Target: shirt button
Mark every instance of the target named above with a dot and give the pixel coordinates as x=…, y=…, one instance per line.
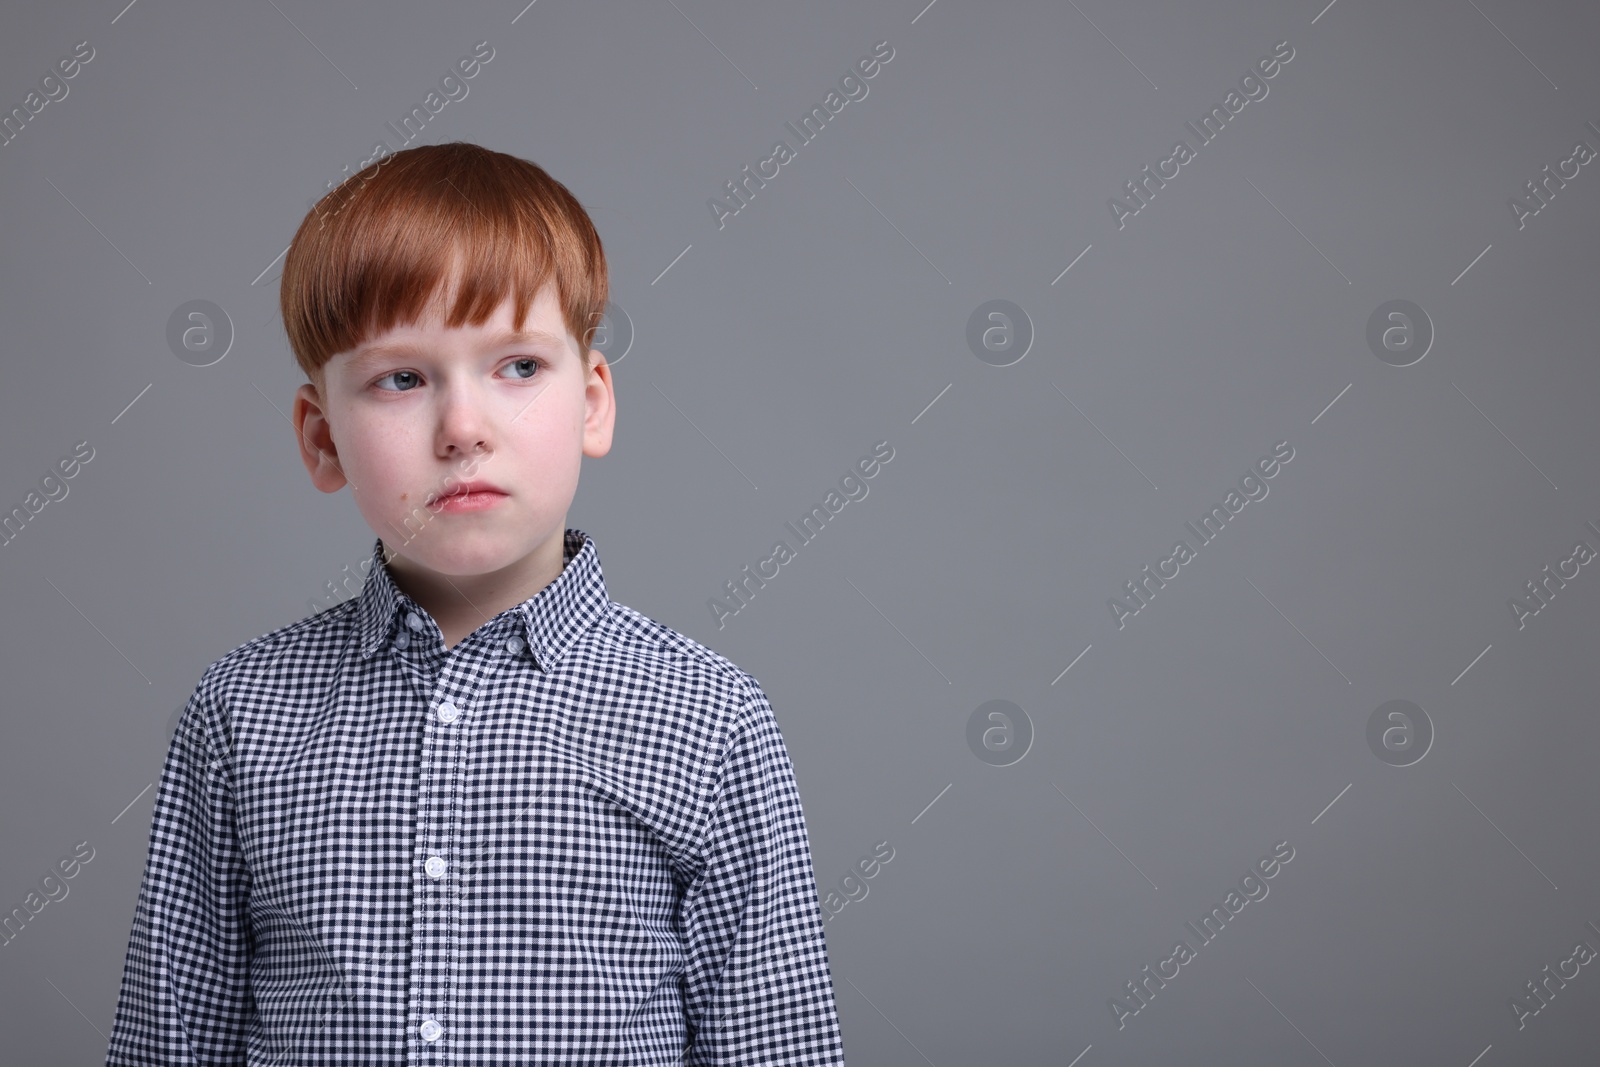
x=414, y=621
x=430, y=1030
x=448, y=712
x=514, y=645
x=402, y=640
x=435, y=866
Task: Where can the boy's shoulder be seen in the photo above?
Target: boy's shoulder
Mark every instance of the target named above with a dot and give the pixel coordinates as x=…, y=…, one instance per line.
x=633, y=633
x=293, y=649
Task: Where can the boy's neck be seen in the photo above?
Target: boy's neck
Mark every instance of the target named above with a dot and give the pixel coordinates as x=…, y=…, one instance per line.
x=462, y=603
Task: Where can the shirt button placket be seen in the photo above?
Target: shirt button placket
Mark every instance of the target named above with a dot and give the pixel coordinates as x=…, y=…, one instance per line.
x=436, y=914
x=437, y=893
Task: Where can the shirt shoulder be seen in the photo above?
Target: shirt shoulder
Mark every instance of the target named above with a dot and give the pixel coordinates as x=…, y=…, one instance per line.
x=680, y=659
x=297, y=653
x=306, y=650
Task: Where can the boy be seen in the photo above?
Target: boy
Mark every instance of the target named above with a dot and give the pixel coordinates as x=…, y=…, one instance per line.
x=480, y=813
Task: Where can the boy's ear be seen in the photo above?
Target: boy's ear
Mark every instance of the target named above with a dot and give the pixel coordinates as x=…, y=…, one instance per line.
x=600, y=403
x=317, y=450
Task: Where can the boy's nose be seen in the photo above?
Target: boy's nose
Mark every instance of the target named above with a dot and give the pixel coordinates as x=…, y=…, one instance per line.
x=464, y=426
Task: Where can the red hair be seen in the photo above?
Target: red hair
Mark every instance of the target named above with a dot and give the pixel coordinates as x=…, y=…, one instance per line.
x=375, y=251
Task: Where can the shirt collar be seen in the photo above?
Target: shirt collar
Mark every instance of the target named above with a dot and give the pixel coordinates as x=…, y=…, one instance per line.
x=549, y=621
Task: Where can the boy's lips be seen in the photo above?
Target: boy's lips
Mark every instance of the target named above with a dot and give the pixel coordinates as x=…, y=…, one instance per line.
x=469, y=496
x=473, y=487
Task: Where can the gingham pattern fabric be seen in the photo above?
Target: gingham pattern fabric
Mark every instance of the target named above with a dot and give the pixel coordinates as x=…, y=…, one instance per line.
x=574, y=838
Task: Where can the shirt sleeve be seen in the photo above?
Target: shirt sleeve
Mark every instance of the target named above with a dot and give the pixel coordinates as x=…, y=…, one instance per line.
x=185, y=996
x=758, y=986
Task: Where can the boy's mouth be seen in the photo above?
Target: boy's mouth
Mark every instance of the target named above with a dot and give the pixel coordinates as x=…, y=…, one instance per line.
x=466, y=488
x=469, y=496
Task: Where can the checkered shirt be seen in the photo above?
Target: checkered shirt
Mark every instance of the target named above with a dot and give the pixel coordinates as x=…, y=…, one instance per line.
x=573, y=838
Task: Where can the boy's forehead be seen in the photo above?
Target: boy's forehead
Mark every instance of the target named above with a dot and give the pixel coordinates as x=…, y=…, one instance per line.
x=544, y=308
x=542, y=324
x=405, y=340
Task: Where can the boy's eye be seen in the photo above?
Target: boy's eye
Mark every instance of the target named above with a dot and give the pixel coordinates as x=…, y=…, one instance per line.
x=407, y=380
x=527, y=363
x=408, y=374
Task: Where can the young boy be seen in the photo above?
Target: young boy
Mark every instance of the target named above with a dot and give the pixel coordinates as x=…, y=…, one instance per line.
x=480, y=813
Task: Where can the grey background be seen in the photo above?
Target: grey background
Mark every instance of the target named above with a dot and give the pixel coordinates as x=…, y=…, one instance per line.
x=830, y=314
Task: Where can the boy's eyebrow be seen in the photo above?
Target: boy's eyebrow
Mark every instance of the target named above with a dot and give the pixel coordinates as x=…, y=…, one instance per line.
x=381, y=349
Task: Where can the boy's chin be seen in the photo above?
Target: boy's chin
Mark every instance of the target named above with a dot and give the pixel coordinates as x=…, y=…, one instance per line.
x=468, y=555
x=459, y=563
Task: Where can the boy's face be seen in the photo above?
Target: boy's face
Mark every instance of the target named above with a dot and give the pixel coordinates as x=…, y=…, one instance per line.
x=412, y=415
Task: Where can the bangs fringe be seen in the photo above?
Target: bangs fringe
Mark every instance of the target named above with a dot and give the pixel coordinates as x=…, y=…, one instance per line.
x=378, y=250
